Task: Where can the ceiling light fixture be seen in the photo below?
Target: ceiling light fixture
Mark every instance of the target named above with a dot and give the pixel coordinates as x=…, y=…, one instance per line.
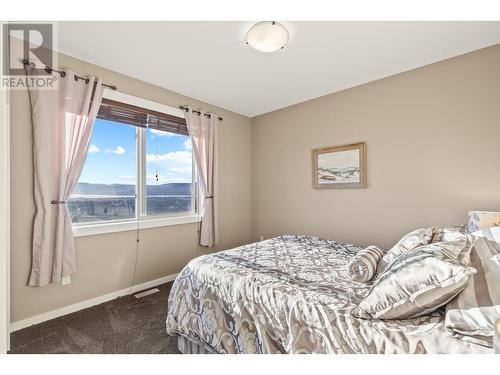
x=267, y=36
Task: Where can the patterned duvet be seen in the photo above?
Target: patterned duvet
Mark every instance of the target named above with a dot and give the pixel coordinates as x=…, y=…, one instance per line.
x=291, y=294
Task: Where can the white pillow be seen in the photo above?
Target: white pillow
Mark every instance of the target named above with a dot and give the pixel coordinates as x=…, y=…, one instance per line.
x=448, y=233
x=409, y=242
x=472, y=315
x=420, y=281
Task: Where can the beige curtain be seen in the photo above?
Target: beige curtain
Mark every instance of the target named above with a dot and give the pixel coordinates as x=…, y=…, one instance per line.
x=203, y=132
x=62, y=120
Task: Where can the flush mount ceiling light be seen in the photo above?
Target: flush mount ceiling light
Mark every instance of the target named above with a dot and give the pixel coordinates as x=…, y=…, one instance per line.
x=267, y=36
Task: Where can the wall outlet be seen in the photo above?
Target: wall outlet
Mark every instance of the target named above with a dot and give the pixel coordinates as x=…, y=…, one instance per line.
x=65, y=280
x=261, y=238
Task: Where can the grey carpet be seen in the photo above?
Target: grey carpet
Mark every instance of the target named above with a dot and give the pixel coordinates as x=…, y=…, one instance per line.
x=124, y=325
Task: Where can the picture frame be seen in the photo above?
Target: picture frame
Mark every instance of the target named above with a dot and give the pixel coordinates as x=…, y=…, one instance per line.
x=340, y=167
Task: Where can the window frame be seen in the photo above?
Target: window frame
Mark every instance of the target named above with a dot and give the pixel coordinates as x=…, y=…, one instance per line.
x=141, y=219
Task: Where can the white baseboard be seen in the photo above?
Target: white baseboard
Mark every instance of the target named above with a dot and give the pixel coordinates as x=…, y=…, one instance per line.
x=20, y=324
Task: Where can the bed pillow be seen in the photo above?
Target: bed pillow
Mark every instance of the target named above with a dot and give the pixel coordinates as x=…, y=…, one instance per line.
x=363, y=265
x=420, y=281
x=409, y=242
x=472, y=315
x=448, y=233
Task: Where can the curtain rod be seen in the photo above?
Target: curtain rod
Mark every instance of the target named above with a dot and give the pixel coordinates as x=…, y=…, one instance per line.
x=62, y=73
x=198, y=112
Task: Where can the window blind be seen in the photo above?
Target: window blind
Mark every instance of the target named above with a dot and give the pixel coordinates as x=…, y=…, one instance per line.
x=128, y=114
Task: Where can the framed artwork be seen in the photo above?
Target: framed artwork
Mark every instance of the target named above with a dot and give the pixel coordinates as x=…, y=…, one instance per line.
x=339, y=167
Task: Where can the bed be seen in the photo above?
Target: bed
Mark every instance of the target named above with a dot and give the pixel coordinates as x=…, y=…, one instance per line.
x=291, y=294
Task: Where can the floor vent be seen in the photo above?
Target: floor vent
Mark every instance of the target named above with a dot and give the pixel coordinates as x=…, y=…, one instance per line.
x=146, y=293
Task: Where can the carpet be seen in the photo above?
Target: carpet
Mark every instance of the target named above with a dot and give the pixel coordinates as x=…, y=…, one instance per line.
x=123, y=325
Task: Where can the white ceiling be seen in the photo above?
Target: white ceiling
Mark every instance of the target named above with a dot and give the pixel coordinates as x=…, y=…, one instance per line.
x=209, y=61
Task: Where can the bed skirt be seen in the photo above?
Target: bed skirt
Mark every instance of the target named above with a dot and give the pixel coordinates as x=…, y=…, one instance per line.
x=187, y=346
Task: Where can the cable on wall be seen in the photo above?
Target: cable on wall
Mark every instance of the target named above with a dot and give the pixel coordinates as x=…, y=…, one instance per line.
x=137, y=241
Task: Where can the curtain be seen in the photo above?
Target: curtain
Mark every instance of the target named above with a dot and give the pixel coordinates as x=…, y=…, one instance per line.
x=62, y=119
x=203, y=132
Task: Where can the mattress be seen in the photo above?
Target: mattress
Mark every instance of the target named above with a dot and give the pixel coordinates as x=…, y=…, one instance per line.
x=292, y=294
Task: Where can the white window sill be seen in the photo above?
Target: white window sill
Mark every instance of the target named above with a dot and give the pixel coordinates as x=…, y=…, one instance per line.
x=80, y=230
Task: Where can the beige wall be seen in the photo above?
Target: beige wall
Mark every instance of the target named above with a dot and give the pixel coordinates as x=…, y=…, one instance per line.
x=432, y=139
x=106, y=262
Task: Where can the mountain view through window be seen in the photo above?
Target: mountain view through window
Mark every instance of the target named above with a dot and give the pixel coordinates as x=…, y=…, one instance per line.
x=109, y=184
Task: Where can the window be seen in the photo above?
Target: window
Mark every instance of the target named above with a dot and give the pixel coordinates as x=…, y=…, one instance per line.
x=169, y=172
x=107, y=186
x=139, y=166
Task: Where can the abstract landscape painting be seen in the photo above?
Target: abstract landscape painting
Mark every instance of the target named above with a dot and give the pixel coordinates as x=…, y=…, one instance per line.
x=339, y=167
